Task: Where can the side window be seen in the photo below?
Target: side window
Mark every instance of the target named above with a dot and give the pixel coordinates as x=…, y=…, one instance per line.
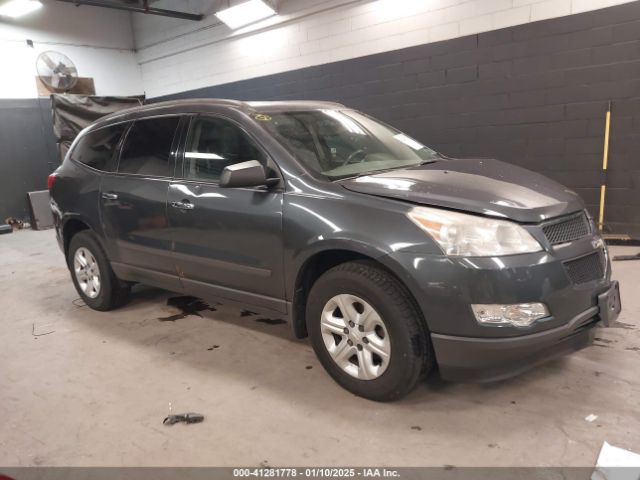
x=215, y=143
x=147, y=148
x=97, y=149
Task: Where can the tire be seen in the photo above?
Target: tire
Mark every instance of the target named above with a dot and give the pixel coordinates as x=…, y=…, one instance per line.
x=109, y=292
x=359, y=286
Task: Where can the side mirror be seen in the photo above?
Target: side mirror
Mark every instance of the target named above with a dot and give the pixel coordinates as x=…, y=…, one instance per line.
x=244, y=174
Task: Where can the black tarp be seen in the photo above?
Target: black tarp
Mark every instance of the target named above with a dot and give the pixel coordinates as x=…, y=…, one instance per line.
x=72, y=113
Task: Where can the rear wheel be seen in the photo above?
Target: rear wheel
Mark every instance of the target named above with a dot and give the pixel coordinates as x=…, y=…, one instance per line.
x=92, y=274
x=367, y=332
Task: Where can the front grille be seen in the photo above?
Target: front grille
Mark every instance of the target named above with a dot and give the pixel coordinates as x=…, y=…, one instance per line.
x=567, y=230
x=585, y=269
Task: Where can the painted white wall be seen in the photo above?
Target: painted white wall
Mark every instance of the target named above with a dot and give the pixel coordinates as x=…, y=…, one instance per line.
x=97, y=40
x=177, y=55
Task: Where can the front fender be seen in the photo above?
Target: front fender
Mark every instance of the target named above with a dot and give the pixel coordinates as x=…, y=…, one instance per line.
x=370, y=226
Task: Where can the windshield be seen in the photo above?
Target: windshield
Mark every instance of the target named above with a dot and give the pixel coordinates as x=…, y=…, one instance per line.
x=343, y=143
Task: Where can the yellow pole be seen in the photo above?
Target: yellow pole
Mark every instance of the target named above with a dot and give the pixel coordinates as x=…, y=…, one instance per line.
x=603, y=189
x=605, y=161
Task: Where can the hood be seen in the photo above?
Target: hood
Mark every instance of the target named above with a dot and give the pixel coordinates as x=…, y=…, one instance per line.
x=484, y=186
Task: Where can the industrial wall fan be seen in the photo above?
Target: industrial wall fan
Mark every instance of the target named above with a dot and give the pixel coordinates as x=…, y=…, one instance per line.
x=56, y=71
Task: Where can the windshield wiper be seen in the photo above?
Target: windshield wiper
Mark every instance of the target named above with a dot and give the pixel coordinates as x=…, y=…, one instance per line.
x=371, y=172
x=438, y=158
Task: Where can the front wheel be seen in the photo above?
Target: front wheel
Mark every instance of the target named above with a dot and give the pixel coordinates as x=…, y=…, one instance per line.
x=367, y=332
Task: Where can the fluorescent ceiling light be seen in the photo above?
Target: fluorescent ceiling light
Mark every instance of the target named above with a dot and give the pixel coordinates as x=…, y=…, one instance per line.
x=245, y=13
x=18, y=8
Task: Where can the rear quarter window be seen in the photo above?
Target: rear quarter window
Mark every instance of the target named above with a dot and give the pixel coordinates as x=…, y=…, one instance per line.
x=97, y=149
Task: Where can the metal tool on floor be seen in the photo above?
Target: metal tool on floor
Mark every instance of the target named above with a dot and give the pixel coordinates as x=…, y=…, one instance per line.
x=183, y=418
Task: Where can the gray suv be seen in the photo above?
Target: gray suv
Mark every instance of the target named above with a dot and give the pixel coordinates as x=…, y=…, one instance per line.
x=394, y=259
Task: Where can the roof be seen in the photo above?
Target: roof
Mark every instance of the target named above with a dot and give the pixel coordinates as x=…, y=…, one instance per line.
x=293, y=105
x=204, y=104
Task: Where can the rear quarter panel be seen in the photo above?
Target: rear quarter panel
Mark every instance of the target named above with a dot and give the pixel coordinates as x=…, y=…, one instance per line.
x=75, y=195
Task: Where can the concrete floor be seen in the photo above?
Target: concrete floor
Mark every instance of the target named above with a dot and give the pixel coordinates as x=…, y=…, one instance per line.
x=95, y=390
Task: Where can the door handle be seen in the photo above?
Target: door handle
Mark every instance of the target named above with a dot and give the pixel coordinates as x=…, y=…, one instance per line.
x=183, y=205
x=110, y=196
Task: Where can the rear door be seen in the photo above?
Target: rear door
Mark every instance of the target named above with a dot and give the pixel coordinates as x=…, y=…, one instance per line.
x=134, y=202
x=227, y=241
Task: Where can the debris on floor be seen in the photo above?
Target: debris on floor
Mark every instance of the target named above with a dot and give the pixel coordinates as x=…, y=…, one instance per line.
x=213, y=347
x=189, y=306
x=247, y=313
x=186, y=418
x=16, y=224
x=5, y=229
x=591, y=417
x=271, y=321
x=616, y=463
x=41, y=330
x=619, y=258
x=603, y=340
x=626, y=326
x=79, y=303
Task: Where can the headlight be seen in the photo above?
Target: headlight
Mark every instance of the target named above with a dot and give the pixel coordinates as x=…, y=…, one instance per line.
x=518, y=315
x=473, y=236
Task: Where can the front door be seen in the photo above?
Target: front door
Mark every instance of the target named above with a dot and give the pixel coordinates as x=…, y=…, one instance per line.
x=134, y=203
x=227, y=241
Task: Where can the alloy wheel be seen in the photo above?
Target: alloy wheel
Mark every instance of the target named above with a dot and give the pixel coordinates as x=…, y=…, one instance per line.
x=355, y=336
x=87, y=272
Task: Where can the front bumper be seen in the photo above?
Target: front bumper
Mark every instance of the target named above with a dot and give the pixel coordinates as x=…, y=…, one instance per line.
x=489, y=359
x=445, y=288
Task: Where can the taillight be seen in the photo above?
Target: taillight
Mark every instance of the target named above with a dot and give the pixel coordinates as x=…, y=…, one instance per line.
x=51, y=179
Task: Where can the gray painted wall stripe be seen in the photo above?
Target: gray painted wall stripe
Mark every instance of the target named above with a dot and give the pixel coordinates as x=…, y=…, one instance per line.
x=534, y=95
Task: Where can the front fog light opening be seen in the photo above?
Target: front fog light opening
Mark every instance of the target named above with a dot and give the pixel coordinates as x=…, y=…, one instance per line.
x=517, y=315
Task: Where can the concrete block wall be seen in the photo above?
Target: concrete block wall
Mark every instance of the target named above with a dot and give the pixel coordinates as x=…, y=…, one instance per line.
x=534, y=95
x=177, y=55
